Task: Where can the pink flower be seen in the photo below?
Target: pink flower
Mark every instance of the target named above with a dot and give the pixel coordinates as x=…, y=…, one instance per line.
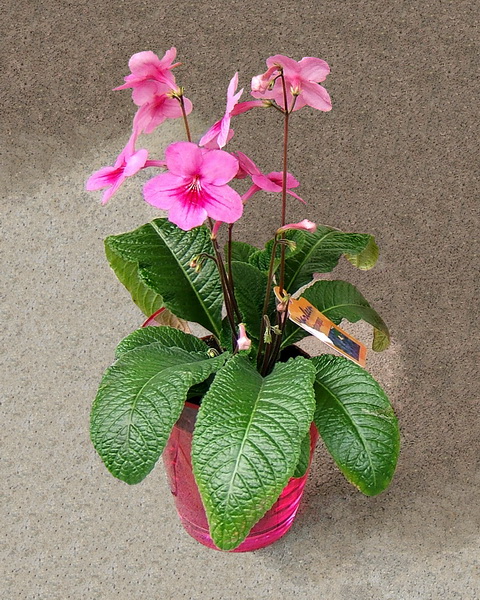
x=304, y=225
x=301, y=80
x=195, y=186
x=243, y=341
x=269, y=183
x=127, y=164
x=159, y=108
x=148, y=73
x=220, y=133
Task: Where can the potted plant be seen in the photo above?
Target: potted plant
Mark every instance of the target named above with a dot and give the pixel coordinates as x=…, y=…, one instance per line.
x=235, y=413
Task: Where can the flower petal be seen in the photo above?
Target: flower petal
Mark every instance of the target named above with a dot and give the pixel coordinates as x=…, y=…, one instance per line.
x=184, y=159
x=218, y=167
x=313, y=69
x=135, y=162
x=102, y=178
x=245, y=106
x=211, y=134
x=187, y=215
x=316, y=96
x=163, y=190
x=222, y=203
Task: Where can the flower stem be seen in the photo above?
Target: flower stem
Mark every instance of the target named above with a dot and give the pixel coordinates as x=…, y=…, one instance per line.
x=284, y=180
x=184, y=113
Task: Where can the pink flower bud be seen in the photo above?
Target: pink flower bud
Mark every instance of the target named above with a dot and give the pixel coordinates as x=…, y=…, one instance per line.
x=304, y=225
x=243, y=342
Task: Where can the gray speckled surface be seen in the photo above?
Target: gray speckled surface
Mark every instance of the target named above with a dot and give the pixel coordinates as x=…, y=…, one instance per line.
x=395, y=157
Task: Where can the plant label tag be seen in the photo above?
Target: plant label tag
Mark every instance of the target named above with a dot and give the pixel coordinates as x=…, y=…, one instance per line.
x=306, y=316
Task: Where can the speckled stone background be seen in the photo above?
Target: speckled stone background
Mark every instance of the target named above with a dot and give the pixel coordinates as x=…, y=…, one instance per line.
x=395, y=157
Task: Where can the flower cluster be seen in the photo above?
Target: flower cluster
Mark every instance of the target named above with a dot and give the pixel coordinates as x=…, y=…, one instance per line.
x=195, y=186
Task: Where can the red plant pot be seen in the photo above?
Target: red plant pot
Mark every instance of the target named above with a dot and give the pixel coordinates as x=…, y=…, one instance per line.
x=176, y=457
x=178, y=465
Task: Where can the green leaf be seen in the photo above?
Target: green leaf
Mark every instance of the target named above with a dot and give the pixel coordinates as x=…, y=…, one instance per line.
x=356, y=422
x=247, y=442
x=126, y=271
x=261, y=258
x=339, y=300
x=241, y=251
x=139, y=400
x=250, y=289
x=367, y=258
x=304, y=460
x=162, y=252
x=162, y=336
x=320, y=253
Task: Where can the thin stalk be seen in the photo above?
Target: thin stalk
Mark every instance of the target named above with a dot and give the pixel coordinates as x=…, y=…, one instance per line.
x=284, y=180
x=267, y=299
x=184, y=113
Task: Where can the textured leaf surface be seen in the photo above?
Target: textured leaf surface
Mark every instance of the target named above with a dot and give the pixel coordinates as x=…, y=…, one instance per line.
x=139, y=400
x=163, y=253
x=304, y=459
x=320, y=253
x=367, y=258
x=356, y=422
x=250, y=290
x=162, y=336
x=261, y=258
x=339, y=300
x=241, y=251
x=127, y=273
x=247, y=442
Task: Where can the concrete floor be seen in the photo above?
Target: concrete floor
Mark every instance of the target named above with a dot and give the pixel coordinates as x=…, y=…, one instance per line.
x=395, y=157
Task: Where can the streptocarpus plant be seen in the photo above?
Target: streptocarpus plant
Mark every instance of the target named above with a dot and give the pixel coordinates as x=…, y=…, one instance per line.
x=256, y=409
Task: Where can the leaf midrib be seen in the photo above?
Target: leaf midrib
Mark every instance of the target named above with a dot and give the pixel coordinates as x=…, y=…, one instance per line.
x=237, y=462
x=362, y=439
x=308, y=254
x=202, y=303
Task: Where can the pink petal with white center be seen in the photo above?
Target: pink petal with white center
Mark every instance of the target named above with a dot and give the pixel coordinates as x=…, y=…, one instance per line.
x=316, y=96
x=162, y=191
x=313, y=69
x=218, y=167
x=222, y=203
x=135, y=162
x=184, y=159
x=187, y=215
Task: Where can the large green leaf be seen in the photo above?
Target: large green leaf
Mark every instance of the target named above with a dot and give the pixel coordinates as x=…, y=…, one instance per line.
x=356, y=422
x=250, y=290
x=241, y=251
x=247, y=442
x=162, y=252
x=304, y=459
x=261, y=258
x=145, y=298
x=339, y=300
x=139, y=400
x=367, y=258
x=320, y=253
x=162, y=336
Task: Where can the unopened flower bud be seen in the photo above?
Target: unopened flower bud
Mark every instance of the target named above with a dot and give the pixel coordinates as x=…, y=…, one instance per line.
x=304, y=225
x=243, y=341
